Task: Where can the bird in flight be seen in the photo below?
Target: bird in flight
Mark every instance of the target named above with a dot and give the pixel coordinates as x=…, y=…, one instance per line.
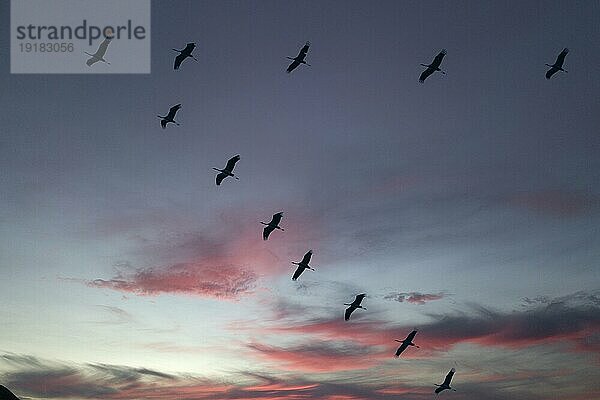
x=228, y=170
x=406, y=342
x=183, y=54
x=272, y=225
x=354, y=305
x=434, y=66
x=558, y=64
x=299, y=59
x=302, y=265
x=170, y=117
x=446, y=384
x=99, y=54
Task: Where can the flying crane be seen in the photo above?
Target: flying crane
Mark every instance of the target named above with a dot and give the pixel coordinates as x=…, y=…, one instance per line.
x=228, y=170
x=406, y=342
x=170, y=117
x=434, y=66
x=354, y=305
x=99, y=54
x=558, y=64
x=183, y=54
x=446, y=384
x=272, y=225
x=299, y=59
x=302, y=265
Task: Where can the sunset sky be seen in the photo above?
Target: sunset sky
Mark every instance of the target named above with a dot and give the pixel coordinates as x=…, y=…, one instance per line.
x=466, y=207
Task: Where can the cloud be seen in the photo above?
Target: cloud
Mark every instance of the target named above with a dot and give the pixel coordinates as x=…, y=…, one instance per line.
x=225, y=260
x=222, y=282
x=414, y=297
x=573, y=320
x=319, y=357
x=28, y=376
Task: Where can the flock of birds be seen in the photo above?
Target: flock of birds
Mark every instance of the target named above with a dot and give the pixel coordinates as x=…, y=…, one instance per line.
x=273, y=225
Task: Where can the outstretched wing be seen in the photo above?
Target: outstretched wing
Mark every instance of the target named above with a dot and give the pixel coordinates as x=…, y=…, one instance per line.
x=348, y=312
x=449, y=377
x=426, y=74
x=402, y=347
x=163, y=123
x=297, y=273
x=276, y=218
x=551, y=72
x=437, y=61
x=561, y=57
x=220, y=177
x=189, y=48
x=267, y=231
x=102, y=48
x=439, y=389
x=411, y=336
x=178, y=60
x=306, y=258
x=91, y=61
x=304, y=50
x=231, y=163
x=359, y=298
x=172, y=111
x=292, y=66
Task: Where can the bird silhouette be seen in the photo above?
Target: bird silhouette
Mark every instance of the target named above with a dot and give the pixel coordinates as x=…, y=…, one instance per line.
x=183, y=54
x=446, y=384
x=170, y=117
x=354, y=305
x=228, y=170
x=434, y=66
x=99, y=54
x=272, y=225
x=299, y=59
x=406, y=342
x=558, y=64
x=302, y=265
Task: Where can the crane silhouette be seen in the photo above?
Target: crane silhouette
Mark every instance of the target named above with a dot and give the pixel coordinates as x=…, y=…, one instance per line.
x=406, y=342
x=354, y=305
x=558, y=64
x=302, y=265
x=228, y=170
x=434, y=66
x=99, y=54
x=299, y=59
x=170, y=117
x=272, y=225
x=6, y=394
x=446, y=384
x=183, y=54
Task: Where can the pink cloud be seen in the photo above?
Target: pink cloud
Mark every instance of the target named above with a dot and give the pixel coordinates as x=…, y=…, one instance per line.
x=222, y=282
x=319, y=357
x=224, y=262
x=565, y=320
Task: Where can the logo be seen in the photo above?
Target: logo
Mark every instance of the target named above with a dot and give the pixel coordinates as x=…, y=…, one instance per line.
x=80, y=36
